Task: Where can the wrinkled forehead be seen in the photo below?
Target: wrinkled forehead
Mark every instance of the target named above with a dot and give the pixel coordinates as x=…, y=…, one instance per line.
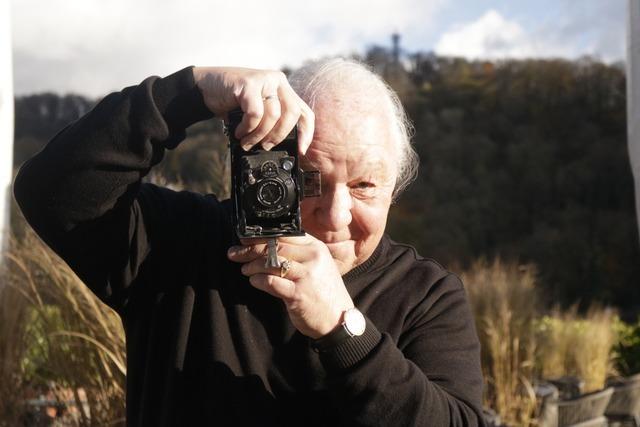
x=352, y=141
x=357, y=159
x=356, y=112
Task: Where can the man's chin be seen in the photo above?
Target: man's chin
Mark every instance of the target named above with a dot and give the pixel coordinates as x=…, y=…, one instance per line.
x=343, y=254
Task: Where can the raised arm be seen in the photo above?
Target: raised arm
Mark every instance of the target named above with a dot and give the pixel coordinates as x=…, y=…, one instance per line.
x=83, y=194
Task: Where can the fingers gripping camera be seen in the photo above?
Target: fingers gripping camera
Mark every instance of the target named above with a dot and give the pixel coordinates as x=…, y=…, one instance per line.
x=267, y=186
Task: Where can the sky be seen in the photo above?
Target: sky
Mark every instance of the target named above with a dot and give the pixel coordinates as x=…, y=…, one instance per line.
x=93, y=47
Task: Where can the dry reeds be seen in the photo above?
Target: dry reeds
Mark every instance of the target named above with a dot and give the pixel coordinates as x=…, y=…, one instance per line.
x=579, y=346
x=57, y=339
x=503, y=298
x=519, y=345
x=13, y=324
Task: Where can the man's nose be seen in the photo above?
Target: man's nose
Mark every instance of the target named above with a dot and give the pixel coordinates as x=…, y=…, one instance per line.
x=335, y=209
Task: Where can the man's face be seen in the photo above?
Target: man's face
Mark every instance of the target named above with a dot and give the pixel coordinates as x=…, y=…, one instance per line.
x=358, y=162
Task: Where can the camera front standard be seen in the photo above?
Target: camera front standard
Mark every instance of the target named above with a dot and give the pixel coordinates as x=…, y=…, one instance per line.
x=268, y=186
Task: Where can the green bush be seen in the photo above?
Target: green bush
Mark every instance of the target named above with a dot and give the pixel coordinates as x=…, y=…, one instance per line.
x=627, y=349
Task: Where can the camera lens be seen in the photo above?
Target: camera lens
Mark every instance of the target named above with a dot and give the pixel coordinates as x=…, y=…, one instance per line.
x=270, y=193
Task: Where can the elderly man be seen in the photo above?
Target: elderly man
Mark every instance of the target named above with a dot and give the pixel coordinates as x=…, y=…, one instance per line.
x=360, y=331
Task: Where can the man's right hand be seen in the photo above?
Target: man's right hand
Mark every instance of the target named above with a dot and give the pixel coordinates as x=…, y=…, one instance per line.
x=271, y=107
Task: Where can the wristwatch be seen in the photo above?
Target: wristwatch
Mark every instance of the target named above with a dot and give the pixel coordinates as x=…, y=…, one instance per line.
x=353, y=325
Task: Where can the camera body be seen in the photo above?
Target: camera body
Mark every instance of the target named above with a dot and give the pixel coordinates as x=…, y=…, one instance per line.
x=267, y=186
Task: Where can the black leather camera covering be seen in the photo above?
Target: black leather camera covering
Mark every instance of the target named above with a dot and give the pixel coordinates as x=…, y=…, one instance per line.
x=265, y=186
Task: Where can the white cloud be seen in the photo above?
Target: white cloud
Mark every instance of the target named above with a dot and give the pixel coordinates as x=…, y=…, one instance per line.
x=567, y=35
x=95, y=46
x=492, y=37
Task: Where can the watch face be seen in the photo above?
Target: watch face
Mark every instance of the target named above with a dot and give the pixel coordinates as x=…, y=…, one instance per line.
x=354, y=322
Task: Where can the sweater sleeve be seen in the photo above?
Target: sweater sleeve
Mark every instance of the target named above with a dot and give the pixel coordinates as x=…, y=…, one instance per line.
x=83, y=195
x=431, y=377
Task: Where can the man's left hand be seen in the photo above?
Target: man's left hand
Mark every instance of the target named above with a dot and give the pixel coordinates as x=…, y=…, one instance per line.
x=312, y=289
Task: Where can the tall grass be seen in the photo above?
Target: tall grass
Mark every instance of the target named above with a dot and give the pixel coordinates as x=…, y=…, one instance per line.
x=56, y=338
x=13, y=347
x=579, y=346
x=520, y=344
x=504, y=301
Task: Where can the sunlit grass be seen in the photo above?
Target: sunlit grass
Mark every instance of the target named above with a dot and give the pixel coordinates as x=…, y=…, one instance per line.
x=522, y=343
x=56, y=337
x=579, y=346
x=503, y=297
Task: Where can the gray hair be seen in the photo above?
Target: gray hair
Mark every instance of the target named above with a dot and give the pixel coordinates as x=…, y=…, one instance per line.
x=328, y=75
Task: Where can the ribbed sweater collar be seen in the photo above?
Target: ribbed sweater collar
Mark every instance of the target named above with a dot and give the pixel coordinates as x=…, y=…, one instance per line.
x=366, y=266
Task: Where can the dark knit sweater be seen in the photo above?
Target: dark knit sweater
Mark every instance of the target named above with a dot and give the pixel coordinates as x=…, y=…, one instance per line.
x=204, y=347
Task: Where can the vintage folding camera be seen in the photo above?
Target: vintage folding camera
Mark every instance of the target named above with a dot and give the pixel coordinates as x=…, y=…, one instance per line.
x=267, y=186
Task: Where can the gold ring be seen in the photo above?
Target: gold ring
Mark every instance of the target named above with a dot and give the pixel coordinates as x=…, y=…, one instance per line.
x=268, y=97
x=285, y=266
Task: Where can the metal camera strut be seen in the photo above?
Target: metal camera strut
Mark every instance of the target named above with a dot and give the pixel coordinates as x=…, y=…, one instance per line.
x=272, y=253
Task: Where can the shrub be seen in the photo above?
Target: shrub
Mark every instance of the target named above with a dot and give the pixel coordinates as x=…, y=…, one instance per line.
x=627, y=348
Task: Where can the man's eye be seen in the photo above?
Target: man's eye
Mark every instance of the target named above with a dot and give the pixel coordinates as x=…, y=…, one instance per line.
x=364, y=189
x=363, y=185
